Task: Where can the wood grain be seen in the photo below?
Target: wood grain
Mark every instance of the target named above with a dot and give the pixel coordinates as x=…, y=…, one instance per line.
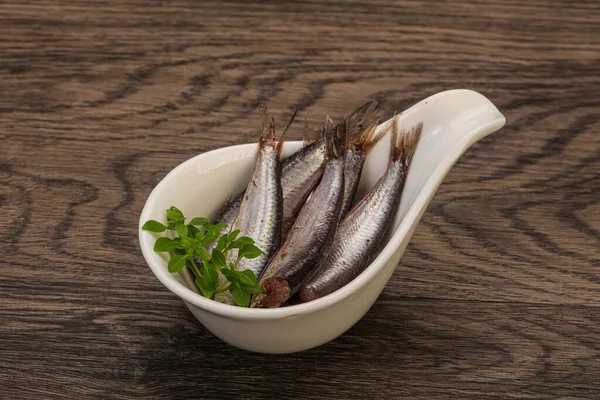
x=498, y=295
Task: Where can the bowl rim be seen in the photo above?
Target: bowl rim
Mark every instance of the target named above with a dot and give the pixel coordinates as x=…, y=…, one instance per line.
x=242, y=313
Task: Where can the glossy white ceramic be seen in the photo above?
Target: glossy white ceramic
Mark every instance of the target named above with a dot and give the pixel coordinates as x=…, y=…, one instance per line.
x=452, y=122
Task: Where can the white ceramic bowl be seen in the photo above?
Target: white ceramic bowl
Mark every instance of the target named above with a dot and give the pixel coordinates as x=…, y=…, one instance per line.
x=452, y=122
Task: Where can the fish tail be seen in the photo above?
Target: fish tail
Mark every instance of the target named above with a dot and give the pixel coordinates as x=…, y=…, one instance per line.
x=361, y=126
x=370, y=137
x=405, y=142
x=339, y=139
x=329, y=122
x=266, y=130
x=335, y=139
x=310, y=136
x=362, y=113
x=287, y=127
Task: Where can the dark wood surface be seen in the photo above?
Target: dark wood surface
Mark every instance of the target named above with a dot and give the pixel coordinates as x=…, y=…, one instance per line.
x=498, y=294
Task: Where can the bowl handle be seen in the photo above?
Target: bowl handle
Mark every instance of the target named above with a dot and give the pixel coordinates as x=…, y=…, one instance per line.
x=453, y=121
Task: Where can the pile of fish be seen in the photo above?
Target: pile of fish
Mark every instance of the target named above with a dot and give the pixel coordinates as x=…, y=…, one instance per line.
x=299, y=210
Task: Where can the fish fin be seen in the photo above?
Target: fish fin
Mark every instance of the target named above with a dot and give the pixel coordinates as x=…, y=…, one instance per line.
x=327, y=134
x=266, y=131
x=405, y=142
x=287, y=127
x=360, y=123
x=310, y=136
x=369, y=137
x=335, y=139
x=339, y=140
x=329, y=122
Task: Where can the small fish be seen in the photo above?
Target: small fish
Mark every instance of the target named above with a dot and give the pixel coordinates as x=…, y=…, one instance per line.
x=311, y=231
x=300, y=173
x=261, y=208
x=360, y=234
x=361, y=139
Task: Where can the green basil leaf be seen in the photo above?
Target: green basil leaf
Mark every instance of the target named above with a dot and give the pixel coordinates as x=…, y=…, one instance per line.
x=254, y=289
x=240, y=242
x=211, y=235
x=247, y=277
x=248, y=282
x=202, y=253
x=250, y=251
x=198, y=221
x=175, y=215
x=244, y=240
x=182, y=230
x=250, y=274
x=233, y=235
x=192, y=231
x=154, y=226
x=240, y=297
x=187, y=242
x=218, y=258
x=231, y=275
x=211, y=276
x=210, y=226
x=165, y=244
x=176, y=263
x=206, y=291
x=222, y=243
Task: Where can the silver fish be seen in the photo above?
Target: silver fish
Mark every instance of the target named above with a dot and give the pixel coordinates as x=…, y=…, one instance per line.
x=310, y=232
x=261, y=208
x=360, y=234
x=361, y=139
x=299, y=175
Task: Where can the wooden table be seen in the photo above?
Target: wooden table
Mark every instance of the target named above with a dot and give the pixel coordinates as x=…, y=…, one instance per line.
x=498, y=294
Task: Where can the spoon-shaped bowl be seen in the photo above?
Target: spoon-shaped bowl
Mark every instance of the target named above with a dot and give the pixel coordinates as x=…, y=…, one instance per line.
x=452, y=122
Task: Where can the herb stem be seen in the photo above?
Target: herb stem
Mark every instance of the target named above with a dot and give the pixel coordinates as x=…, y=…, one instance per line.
x=195, y=269
x=222, y=288
x=237, y=262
